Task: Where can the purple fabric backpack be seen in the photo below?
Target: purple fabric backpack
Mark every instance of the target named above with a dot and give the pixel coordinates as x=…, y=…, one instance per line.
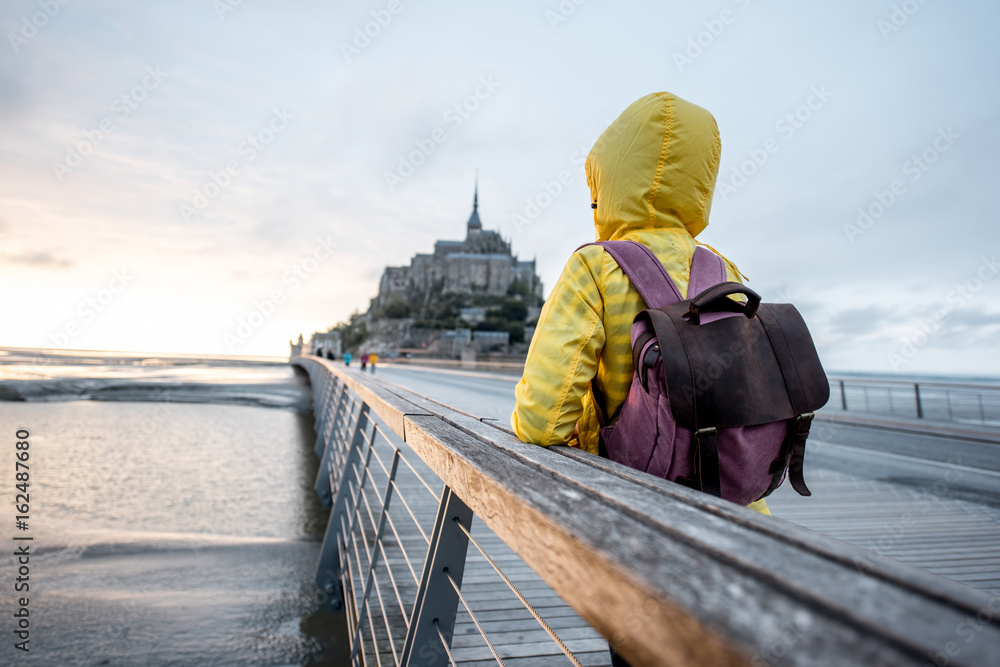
x=723, y=393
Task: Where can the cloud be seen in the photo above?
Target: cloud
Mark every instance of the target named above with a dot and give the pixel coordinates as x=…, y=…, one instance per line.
x=970, y=317
x=40, y=259
x=968, y=329
x=860, y=321
x=355, y=119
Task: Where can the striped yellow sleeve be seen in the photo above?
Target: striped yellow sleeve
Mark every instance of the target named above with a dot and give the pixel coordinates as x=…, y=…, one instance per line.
x=562, y=358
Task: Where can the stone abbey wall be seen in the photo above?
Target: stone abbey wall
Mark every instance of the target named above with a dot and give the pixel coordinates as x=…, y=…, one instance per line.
x=482, y=263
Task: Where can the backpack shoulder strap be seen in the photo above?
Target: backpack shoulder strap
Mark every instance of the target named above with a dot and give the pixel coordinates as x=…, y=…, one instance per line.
x=707, y=269
x=644, y=270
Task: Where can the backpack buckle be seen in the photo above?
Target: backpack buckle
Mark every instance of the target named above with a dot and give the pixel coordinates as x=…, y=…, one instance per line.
x=803, y=422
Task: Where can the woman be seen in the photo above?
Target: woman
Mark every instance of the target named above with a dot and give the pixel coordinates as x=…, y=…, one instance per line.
x=651, y=176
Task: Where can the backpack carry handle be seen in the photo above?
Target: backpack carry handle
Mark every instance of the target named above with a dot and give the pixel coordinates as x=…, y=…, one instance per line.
x=715, y=300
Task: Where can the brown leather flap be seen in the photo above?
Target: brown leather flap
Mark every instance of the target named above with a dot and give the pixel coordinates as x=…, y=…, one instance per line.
x=738, y=371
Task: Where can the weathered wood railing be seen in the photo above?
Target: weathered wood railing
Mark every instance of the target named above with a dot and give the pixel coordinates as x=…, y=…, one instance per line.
x=669, y=575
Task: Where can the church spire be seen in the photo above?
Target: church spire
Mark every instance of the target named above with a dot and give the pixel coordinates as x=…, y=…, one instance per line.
x=474, y=223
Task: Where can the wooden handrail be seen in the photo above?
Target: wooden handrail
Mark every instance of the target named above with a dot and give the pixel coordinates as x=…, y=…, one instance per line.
x=674, y=577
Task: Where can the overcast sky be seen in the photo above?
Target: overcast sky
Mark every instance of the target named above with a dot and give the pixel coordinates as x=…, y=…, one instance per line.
x=168, y=169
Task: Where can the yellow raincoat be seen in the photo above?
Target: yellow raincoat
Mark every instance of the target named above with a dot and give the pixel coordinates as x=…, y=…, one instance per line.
x=651, y=173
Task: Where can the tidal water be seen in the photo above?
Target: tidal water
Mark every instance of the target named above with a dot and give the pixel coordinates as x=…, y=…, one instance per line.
x=172, y=516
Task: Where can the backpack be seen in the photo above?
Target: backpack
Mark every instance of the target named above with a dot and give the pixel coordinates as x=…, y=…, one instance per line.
x=724, y=392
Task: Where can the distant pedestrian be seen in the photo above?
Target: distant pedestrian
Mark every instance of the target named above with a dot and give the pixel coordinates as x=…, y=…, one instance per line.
x=364, y=361
x=347, y=358
x=319, y=352
x=373, y=359
x=330, y=355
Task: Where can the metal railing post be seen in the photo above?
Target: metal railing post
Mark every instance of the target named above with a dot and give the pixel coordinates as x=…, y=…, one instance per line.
x=920, y=408
x=843, y=396
x=323, y=442
x=324, y=478
x=436, y=605
x=326, y=454
x=319, y=398
x=329, y=567
x=328, y=384
x=329, y=425
x=321, y=408
x=356, y=639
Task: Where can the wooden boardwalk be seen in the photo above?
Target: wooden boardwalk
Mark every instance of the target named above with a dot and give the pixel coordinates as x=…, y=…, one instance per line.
x=952, y=538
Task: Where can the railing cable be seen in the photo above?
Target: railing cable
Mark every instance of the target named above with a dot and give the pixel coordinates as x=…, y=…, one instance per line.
x=475, y=620
x=402, y=550
x=434, y=494
x=444, y=643
x=359, y=647
x=385, y=615
x=399, y=494
x=524, y=601
x=392, y=580
x=409, y=465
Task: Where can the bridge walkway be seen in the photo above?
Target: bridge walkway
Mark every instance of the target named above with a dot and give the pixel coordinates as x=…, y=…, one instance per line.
x=916, y=524
x=590, y=550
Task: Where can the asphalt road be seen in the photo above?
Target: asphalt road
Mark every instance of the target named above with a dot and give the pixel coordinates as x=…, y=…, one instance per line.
x=479, y=394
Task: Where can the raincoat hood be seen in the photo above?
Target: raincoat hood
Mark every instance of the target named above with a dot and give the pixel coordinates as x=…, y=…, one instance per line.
x=654, y=167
